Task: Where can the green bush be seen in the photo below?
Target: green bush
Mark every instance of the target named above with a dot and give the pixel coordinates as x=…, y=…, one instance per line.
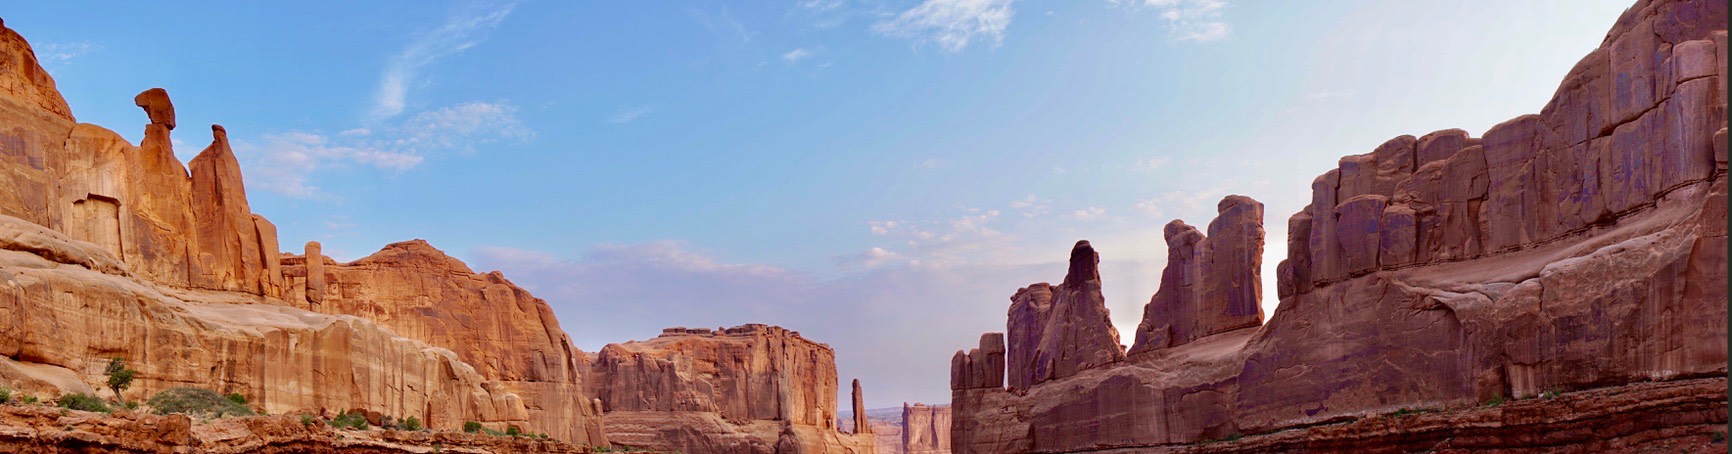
x=471, y=426
x=198, y=402
x=351, y=420
x=513, y=430
x=5, y=395
x=307, y=420
x=410, y=423
x=1494, y=401
x=119, y=377
x=237, y=398
x=82, y=402
x=29, y=399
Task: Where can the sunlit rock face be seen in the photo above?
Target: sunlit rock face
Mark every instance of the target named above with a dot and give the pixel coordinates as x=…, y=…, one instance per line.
x=109, y=249
x=750, y=388
x=1580, y=250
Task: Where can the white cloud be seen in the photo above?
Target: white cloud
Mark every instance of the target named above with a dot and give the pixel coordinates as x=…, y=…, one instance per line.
x=1030, y=207
x=56, y=55
x=1151, y=164
x=796, y=55
x=1189, y=20
x=627, y=115
x=953, y=24
x=284, y=162
x=1089, y=213
x=1149, y=207
x=461, y=31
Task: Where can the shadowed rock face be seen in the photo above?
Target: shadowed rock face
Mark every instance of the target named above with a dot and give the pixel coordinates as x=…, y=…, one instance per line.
x=1581, y=249
x=1055, y=332
x=108, y=249
x=925, y=429
x=750, y=388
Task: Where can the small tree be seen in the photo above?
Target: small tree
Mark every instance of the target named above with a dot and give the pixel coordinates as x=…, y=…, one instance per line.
x=119, y=377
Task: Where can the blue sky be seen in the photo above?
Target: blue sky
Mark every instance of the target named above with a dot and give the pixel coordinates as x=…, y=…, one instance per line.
x=880, y=175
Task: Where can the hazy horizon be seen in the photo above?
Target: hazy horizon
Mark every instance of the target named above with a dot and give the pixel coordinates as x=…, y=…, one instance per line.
x=878, y=175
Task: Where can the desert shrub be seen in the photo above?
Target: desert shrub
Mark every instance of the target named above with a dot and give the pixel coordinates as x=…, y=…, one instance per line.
x=351, y=420
x=513, y=430
x=237, y=398
x=410, y=423
x=29, y=399
x=308, y=420
x=82, y=402
x=5, y=395
x=198, y=402
x=471, y=426
x=1494, y=401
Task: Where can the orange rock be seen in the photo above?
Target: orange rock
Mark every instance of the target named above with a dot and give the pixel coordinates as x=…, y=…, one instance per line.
x=750, y=388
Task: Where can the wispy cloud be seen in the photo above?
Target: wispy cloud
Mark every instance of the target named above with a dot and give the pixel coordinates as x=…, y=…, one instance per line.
x=627, y=115
x=1030, y=207
x=953, y=24
x=285, y=162
x=796, y=55
x=1152, y=164
x=462, y=30
x=1188, y=20
x=1089, y=213
x=55, y=55
x=723, y=24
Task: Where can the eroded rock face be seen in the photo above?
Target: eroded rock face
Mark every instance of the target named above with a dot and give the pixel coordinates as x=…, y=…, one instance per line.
x=925, y=429
x=1211, y=284
x=108, y=249
x=750, y=388
x=1055, y=332
x=1578, y=250
x=511, y=337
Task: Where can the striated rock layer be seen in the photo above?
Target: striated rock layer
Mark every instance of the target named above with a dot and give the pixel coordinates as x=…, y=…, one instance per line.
x=750, y=388
x=108, y=249
x=508, y=335
x=1579, y=250
x=925, y=429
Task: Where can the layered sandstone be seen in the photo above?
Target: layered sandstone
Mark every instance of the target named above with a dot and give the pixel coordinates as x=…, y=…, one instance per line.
x=925, y=429
x=1054, y=332
x=1579, y=250
x=108, y=249
x=1211, y=284
x=508, y=335
x=750, y=388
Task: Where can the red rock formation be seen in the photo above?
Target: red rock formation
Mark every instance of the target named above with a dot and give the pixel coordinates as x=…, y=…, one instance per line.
x=750, y=388
x=1211, y=285
x=508, y=335
x=113, y=250
x=1055, y=332
x=861, y=424
x=1580, y=250
x=925, y=429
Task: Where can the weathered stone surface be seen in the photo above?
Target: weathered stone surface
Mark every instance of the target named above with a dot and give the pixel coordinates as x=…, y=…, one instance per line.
x=1211, y=284
x=1579, y=251
x=750, y=388
x=61, y=318
x=861, y=424
x=1074, y=331
x=925, y=429
x=511, y=337
x=231, y=255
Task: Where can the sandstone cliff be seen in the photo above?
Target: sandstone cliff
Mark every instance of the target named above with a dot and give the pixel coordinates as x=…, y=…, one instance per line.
x=925, y=429
x=508, y=335
x=750, y=388
x=1577, y=252
x=108, y=249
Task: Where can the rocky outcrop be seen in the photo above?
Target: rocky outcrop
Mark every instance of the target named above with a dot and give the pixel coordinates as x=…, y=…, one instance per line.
x=1579, y=251
x=861, y=424
x=511, y=337
x=108, y=249
x=925, y=429
x=750, y=388
x=1054, y=332
x=1211, y=284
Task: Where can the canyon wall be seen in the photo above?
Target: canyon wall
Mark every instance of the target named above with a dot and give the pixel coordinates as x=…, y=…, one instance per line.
x=108, y=249
x=925, y=429
x=1580, y=251
x=750, y=388
x=509, y=336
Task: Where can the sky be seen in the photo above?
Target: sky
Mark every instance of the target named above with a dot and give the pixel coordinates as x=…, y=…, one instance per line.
x=879, y=175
